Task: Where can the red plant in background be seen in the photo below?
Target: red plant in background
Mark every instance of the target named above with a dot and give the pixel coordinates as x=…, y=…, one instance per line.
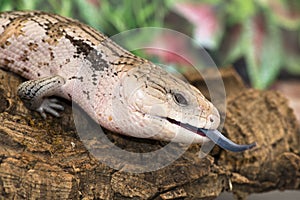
x=206, y=32
x=251, y=30
x=204, y=18
x=170, y=49
x=264, y=33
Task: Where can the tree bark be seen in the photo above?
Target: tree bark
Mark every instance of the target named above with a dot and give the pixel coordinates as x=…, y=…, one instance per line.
x=46, y=159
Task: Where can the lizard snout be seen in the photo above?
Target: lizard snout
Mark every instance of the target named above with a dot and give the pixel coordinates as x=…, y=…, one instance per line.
x=213, y=119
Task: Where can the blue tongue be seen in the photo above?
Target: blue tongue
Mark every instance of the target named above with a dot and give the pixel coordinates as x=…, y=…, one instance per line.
x=224, y=142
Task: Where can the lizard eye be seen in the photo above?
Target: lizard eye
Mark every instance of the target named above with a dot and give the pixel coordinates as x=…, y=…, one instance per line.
x=180, y=99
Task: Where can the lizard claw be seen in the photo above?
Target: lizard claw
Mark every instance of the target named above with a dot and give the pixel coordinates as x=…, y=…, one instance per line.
x=49, y=106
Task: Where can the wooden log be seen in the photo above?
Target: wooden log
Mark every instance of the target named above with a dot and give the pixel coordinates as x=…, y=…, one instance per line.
x=46, y=159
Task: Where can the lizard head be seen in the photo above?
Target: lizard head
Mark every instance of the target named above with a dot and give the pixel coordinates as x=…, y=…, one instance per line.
x=148, y=102
x=152, y=103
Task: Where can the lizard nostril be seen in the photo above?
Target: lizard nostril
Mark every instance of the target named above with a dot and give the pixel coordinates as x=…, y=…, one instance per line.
x=214, y=118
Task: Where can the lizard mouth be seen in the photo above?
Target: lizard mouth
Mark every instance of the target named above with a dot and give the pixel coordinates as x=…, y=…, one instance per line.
x=215, y=135
x=187, y=126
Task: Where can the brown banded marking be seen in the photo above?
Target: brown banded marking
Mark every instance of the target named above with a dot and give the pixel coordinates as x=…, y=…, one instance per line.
x=81, y=45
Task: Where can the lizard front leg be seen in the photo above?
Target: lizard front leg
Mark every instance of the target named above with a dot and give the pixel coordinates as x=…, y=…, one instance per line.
x=35, y=93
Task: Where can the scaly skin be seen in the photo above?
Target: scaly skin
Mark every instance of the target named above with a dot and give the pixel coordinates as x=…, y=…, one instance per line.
x=120, y=91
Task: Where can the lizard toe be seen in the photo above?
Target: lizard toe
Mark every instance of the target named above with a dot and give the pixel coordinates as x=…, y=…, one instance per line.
x=50, y=106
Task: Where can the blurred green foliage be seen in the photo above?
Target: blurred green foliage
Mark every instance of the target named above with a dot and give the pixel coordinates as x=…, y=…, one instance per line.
x=268, y=38
x=239, y=11
x=109, y=16
x=265, y=33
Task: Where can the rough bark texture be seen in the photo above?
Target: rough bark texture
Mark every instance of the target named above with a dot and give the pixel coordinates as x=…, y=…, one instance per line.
x=45, y=159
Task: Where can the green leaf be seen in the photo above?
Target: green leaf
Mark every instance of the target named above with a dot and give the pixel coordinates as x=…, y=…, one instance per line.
x=263, y=57
x=286, y=13
x=239, y=11
x=234, y=45
x=29, y=5
x=66, y=8
x=6, y=5
x=292, y=64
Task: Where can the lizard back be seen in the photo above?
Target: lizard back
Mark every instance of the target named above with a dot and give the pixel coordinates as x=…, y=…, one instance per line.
x=37, y=44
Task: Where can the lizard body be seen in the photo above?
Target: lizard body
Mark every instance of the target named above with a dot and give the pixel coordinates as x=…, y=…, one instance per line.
x=120, y=91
